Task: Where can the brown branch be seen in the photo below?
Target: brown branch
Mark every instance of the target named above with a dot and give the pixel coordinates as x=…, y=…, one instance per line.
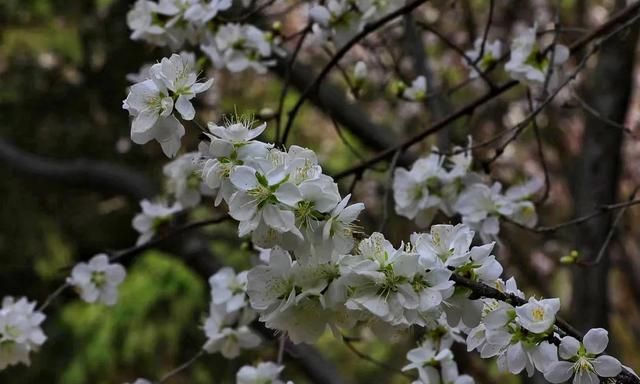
x=96, y=175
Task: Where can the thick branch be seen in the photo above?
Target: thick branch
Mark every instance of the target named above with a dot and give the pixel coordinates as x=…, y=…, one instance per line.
x=80, y=172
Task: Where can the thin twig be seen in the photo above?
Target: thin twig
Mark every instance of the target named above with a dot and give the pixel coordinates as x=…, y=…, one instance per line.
x=181, y=367
x=53, y=296
x=593, y=112
x=348, y=342
x=612, y=230
x=485, y=34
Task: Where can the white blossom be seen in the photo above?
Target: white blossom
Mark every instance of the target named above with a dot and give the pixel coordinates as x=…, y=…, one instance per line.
x=445, y=245
x=584, y=361
x=97, y=280
x=384, y=275
x=227, y=332
x=262, y=373
x=264, y=195
x=490, y=55
x=537, y=316
x=201, y=12
x=140, y=381
x=335, y=20
x=177, y=74
x=417, y=91
x=528, y=62
x=184, y=179
x=339, y=226
x=435, y=365
x=229, y=289
x=360, y=72
x=141, y=22
x=481, y=206
x=152, y=218
x=417, y=192
x=239, y=47
x=20, y=331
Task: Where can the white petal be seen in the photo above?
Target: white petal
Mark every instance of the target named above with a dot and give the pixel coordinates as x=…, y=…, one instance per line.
x=289, y=194
x=607, y=366
x=244, y=178
x=596, y=340
x=568, y=347
x=516, y=358
x=559, y=372
x=184, y=106
x=144, y=121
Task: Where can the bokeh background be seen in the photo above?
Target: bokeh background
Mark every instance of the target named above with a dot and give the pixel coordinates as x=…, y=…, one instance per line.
x=63, y=68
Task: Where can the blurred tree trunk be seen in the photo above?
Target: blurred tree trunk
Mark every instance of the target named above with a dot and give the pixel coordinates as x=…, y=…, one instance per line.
x=597, y=172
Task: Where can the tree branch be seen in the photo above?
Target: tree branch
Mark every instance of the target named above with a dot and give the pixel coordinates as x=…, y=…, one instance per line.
x=100, y=176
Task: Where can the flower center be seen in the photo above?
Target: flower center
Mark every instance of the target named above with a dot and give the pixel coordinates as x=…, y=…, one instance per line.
x=98, y=278
x=538, y=314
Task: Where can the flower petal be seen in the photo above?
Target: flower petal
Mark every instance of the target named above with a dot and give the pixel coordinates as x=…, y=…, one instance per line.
x=607, y=366
x=596, y=340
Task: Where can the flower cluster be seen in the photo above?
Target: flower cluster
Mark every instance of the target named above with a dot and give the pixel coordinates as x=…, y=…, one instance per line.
x=395, y=288
x=339, y=20
x=238, y=47
x=518, y=336
x=438, y=183
x=280, y=198
x=97, y=280
x=234, y=46
x=226, y=327
x=20, y=331
x=172, y=83
x=172, y=22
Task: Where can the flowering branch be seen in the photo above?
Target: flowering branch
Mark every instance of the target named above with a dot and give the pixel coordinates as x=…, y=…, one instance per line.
x=622, y=17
